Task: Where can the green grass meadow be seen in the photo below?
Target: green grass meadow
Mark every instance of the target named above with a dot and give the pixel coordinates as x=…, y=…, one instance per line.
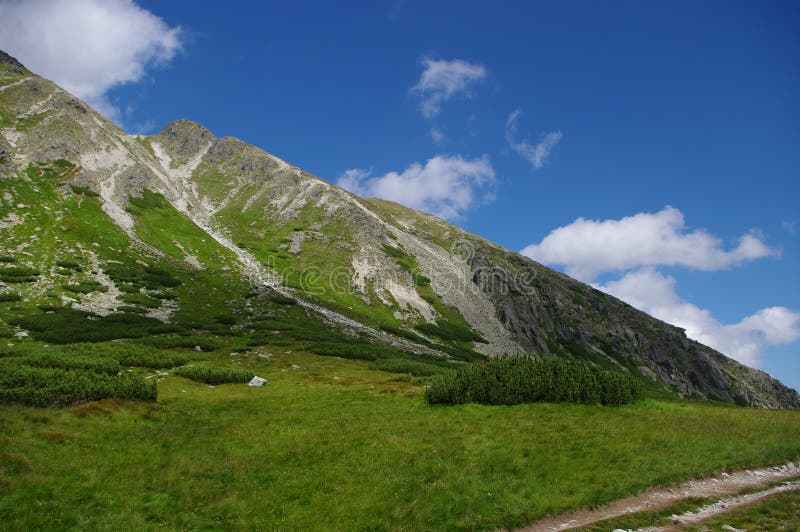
x=330, y=444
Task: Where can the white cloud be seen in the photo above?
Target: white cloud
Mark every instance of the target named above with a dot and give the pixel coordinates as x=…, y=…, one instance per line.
x=640, y=243
x=441, y=80
x=87, y=46
x=437, y=135
x=445, y=186
x=535, y=154
x=588, y=248
x=654, y=293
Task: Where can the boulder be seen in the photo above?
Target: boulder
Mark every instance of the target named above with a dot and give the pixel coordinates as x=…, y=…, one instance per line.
x=256, y=381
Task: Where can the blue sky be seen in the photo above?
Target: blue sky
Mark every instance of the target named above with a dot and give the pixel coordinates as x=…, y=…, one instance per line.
x=543, y=112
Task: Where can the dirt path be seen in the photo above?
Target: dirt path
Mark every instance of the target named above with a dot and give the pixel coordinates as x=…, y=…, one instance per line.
x=661, y=497
x=722, y=506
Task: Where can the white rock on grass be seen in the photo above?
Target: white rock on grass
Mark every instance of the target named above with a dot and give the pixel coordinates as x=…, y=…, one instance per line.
x=256, y=381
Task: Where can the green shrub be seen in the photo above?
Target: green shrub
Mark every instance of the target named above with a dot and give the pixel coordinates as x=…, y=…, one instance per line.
x=420, y=280
x=404, y=333
x=68, y=264
x=37, y=386
x=128, y=288
x=225, y=319
x=149, y=200
x=130, y=354
x=18, y=274
x=141, y=300
x=62, y=325
x=86, y=287
x=412, y=367
x=524, y=379
x=353, y=349
x=347, y=350
x=54, y=358
x=282, y=300
x=83, y=191
x=9, y=297
x=154, y=278
x=450, y=332
x=214, y=375
x=7, y=258
x=189, y=342
x=134, y=277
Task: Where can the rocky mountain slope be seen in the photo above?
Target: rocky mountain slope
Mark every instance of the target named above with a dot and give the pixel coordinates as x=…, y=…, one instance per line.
x=83, y=204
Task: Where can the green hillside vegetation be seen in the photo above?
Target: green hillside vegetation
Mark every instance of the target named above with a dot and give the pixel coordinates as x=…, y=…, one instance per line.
x=330, y=443
x=521, y=379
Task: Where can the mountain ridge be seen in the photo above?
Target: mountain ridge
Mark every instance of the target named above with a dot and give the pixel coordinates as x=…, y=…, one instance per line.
x=399, y=275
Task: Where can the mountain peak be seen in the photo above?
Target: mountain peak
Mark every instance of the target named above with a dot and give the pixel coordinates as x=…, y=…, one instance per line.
x=184, y=138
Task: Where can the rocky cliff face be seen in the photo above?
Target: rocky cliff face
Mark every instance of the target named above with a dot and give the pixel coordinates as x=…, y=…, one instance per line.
x=401, y=274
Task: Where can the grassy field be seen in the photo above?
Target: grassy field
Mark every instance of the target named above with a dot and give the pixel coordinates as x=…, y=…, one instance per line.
x=329, y=443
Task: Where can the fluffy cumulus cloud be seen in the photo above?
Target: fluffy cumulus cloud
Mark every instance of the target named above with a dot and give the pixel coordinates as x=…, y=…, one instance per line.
x=442, y=80
x=654, y=293
x=536, y=154
x=87, y=46
x=588, y=248
x=446, y=186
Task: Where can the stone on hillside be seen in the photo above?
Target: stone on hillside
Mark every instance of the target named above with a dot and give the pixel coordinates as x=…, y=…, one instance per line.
x=256, y=381
x=22, y=334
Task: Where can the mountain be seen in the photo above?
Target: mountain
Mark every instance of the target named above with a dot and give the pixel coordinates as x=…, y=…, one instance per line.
x=183, y=233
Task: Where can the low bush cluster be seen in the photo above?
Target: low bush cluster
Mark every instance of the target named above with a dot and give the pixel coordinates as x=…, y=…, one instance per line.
x=134, y=277
x=450, y=332
x=175, y=342
x=524, y=379
x=60, y=375
x=141, y=300
x=55, y=358
x=9, y=297
x=68, y=264
x=131, y=355
x=149, y=200
x=412, y=367
x=282, y=300
x=83, y=191
x=214, y=375
x=18, y=274
x=45, y=386
x=357, y=350
x=60, y=325
x=86, y=287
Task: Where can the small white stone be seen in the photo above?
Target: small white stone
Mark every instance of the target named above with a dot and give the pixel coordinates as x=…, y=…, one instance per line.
x=256, y=381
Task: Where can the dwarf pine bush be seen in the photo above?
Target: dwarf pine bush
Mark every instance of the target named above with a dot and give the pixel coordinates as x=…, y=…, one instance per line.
x=38, y=386
x=525, y=379
x=214, y=375
x=412, y=367
x=54, y=358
